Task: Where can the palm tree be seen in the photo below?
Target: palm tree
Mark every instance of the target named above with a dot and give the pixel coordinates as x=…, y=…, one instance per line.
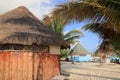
x=104, y=13
x=110, y=38
x=58, y=25
x=98, y=10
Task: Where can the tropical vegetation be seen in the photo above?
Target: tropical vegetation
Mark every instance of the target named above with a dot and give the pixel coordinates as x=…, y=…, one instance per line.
x=58, y=25
x=64, y=53
x=104, y=15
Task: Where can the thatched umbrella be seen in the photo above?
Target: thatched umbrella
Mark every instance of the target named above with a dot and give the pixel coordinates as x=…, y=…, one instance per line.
x=79, y=50
x=20, y=26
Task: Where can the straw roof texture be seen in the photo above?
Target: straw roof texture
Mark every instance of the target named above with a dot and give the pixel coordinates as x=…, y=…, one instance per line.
x=20, y=26
x=98, y=52
x=79, y=50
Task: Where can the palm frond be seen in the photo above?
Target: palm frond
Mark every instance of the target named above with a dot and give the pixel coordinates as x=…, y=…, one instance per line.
x=109, y=35
x=72, y=39
x=98, y=10
x=72, y=36
x=73, y=33
x=77, y=11
x=57, y=25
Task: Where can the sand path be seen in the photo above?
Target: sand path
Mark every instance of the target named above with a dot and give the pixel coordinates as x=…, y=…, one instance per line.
x=91, y=71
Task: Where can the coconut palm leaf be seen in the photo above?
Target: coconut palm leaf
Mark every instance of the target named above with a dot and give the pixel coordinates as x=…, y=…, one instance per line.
x=74, y=11
x=55, y=24
x=58, y=25
x=72, y=35
x=110, y=37
x=72, y=39
x=98, y=10
x=104, y=15
x=103, y=30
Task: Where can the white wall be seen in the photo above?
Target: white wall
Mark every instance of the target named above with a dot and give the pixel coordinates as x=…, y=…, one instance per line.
x=54, y=50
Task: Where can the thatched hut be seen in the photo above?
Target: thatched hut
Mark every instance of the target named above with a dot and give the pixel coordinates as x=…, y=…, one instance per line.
x=79, y=50
x=28, y=49
x=101, y=56
x=79, y=53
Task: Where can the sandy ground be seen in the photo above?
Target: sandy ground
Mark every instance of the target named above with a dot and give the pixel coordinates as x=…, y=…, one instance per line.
x=91, y=71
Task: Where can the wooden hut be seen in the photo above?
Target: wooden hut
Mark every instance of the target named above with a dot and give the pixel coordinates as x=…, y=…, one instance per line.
x=28, y=49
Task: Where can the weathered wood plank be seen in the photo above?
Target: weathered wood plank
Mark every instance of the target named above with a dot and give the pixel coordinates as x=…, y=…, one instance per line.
x=1, y=66
x=22, y=66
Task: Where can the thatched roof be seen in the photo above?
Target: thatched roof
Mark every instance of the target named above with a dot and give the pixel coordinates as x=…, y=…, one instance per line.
x=99, y=51
x=20, y=26
x=79, y=50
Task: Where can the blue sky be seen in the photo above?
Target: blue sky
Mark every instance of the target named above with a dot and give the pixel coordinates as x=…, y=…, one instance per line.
x=40, y=8
x=90, y=41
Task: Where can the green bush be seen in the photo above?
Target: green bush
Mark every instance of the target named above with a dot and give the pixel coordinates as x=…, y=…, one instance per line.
x=64, y=53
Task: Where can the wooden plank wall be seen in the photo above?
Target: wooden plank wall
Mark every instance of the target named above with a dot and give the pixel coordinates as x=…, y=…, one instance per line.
x=51, y=64
x=25, y=66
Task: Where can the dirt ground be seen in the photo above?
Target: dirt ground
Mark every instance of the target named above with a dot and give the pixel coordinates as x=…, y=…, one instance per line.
x=91, y=71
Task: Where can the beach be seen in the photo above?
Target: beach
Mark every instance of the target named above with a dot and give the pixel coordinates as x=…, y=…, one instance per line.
x=90, y=71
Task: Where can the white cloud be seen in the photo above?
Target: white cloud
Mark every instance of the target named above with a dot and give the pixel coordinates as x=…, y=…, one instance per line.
x=35, y=6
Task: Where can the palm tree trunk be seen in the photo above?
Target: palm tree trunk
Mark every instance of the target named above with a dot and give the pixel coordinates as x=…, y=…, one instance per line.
x=71, y=54
x=72, y=61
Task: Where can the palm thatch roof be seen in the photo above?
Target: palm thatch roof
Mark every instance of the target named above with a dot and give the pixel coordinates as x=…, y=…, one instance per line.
x=99, y=51
x=20, y=26
x=79, y=50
